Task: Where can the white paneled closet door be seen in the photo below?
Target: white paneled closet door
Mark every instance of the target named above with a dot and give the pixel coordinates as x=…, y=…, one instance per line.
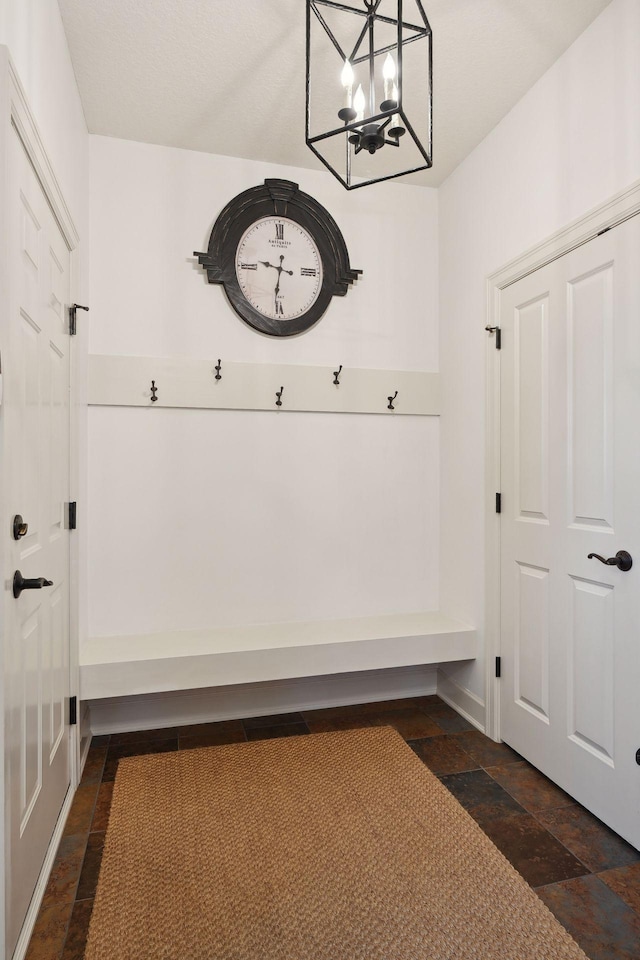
x=35, y=420
x=570, y=482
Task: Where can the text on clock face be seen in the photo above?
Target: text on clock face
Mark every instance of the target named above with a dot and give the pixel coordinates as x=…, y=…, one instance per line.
x=279, y=268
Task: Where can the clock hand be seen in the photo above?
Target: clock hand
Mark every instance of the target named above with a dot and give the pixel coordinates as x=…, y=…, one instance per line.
x=282, y=269
x=275, y=298
x=279, y=269
x=265, y=263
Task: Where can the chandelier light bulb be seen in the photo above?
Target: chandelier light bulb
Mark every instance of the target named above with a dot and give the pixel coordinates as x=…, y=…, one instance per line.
x=396, y=130
x=346, y=78
x=359, y=103
x=395, y=120
x=389, y=75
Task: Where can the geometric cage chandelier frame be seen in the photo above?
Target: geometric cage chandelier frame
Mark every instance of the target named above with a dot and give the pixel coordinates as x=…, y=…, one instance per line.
x=375, y=120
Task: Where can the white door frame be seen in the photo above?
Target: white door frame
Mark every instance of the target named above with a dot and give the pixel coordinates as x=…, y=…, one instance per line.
x=614, y=211
x=15, y=112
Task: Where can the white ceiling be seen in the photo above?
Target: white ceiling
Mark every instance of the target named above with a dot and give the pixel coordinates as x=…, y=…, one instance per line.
x=228, y=76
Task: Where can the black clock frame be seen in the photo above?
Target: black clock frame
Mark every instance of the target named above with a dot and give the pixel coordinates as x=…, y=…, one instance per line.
x=279, y=198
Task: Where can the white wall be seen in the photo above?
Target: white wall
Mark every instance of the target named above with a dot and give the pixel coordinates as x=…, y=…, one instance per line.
x=209, y=518
x=569, y=144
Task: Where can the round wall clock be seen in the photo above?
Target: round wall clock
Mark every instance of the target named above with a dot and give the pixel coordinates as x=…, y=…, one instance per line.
x=280, y=257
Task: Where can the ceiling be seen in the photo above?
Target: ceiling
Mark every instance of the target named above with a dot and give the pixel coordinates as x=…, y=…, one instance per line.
x=228, y=76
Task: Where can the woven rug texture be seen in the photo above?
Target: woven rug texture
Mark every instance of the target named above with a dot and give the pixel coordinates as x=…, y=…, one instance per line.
x=335, y=846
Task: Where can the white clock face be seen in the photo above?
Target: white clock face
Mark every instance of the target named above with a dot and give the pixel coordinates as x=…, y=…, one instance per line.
x=279, y=268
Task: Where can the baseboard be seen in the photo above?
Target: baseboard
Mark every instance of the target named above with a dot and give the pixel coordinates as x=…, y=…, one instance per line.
x=462, y=700
x=85, y=742
x=84, y=735
x=181, y=707
x=36, y=900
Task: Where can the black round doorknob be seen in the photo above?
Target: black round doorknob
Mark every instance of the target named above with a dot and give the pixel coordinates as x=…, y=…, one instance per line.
x=20, y=528
x=21, y=583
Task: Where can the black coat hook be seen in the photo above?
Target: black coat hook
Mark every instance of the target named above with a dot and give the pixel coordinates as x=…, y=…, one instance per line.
x=336, y=374
x=154, y=390
x=218, y=369
x=279, y=396
x=390, y=405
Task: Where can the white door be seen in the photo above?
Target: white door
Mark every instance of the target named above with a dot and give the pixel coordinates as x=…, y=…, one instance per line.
x=570, y=483
x=35, y=414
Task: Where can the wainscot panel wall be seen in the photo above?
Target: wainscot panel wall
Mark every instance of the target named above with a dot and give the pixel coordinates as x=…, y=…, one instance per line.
x=205, y=518
x=571, y=143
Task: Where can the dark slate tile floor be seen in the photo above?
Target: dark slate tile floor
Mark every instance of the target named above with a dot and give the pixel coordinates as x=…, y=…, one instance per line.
x=587, y=875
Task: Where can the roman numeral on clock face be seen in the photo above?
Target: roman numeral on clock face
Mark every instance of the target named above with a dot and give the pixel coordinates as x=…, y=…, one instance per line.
x=308, y=272
x=279, y=310
x=279, y=231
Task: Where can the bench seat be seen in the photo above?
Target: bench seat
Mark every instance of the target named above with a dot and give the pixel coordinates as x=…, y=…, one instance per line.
x=186, y=660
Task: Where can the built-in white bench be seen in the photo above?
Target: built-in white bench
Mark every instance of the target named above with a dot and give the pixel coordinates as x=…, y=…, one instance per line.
x=189, y=660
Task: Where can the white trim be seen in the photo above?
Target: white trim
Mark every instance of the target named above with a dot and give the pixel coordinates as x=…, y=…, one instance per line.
x=182, y=707
x=86, y=742
x=463, y=701
x=622, y=206
x=84, y=735
x=41, y=885
x=612, y=212
x=25, y=123
x=492, y=529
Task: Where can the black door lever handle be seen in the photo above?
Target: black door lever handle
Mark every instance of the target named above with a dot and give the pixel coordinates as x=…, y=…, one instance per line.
x=622, y=560
x=20, y=583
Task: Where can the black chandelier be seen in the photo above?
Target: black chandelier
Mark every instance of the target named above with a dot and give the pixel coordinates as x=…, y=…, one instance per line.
x=369, y=86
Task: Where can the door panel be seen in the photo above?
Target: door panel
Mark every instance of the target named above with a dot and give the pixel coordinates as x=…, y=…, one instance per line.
x=531, y=396
x=531, y=653
x=30, y=715
x=591, y=652
x=35, y=412
x=570, y=472
x=590, y=397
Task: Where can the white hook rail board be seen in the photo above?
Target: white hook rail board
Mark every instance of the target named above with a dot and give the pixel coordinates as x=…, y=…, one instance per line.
x=190, y=383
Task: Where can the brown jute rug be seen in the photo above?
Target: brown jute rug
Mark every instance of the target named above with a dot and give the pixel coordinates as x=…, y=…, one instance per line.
x=335, y=846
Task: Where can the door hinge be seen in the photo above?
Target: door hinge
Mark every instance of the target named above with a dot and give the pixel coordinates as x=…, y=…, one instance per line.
x=498, y=503
x=72, y=515
x=73, y=310
x=73, y=711
x=498, y=666
x=498, y=333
